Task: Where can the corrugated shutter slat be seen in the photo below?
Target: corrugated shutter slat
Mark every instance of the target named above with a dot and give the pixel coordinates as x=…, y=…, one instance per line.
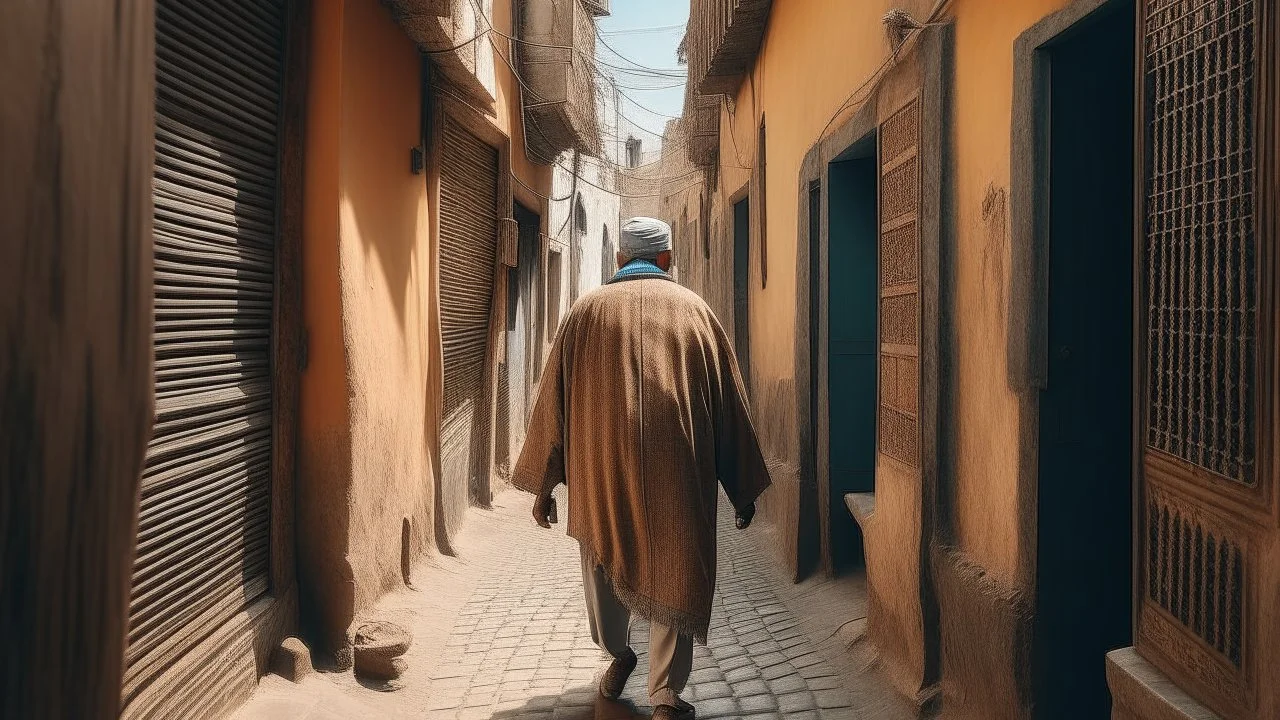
x=468, y=257
x=203, y=526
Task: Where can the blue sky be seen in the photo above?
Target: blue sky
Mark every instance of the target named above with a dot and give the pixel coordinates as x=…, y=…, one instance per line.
x=642, y=31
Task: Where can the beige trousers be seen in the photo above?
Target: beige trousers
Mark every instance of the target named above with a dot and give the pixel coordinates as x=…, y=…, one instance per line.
x=670, y=653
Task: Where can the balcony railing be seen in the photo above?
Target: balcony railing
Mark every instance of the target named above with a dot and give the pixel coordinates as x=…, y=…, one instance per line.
x=723, y=38
x=599, y=8
x=557, y=63
x=703, y=113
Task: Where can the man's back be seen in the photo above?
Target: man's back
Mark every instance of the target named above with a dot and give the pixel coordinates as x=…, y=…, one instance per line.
x=652, y=346
x=640, y=411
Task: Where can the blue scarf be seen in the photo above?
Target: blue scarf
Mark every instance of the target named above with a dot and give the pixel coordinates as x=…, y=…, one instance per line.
x=638, y=268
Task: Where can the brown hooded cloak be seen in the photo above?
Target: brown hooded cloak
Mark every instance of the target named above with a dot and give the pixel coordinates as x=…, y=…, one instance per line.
x=640, y=410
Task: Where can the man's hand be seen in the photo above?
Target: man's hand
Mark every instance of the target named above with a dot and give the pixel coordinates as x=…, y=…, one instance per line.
x=542, y=509
x=742, y=518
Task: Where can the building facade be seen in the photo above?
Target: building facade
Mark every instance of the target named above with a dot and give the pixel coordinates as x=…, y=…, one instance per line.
x=1001, y=276
x=331, y=267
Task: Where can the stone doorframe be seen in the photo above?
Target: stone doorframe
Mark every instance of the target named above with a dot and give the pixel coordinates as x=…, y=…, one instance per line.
x=922, y=68
x=1027, y=331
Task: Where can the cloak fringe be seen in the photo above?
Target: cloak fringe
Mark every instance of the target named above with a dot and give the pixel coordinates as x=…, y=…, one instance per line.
x=653, y=611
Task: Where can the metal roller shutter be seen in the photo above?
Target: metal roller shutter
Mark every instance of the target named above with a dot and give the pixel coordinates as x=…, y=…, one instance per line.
x=468, y=257
x=203, y=530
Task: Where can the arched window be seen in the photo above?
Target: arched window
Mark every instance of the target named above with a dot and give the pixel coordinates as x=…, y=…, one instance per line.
x=608, y=261
x=577, y=244
x=579, y=217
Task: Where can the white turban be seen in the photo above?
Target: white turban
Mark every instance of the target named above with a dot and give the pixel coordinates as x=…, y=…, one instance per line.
x=644, y=237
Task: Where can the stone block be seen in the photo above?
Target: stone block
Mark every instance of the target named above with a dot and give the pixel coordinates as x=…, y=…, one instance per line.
x=291, y=660
x=380, y=668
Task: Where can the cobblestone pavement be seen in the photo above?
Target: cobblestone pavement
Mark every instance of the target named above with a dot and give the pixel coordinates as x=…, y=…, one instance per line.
x=500, y=631
x=523, y=640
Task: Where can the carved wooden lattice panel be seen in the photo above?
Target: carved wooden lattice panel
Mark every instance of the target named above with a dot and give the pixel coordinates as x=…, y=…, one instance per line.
x=1197, y=612
x=1201, y=285
x=1201, y=244
x=899, y=327
x=1196, y=572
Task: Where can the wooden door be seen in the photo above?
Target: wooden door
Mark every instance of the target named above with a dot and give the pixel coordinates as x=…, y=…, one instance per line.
x=1207, y=585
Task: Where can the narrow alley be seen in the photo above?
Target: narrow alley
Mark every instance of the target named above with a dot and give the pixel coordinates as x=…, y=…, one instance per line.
x=970, y=309
x=499, y=631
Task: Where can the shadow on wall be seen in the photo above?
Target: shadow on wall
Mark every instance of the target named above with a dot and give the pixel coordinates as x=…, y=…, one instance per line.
x=381, y=110
x=580, y=703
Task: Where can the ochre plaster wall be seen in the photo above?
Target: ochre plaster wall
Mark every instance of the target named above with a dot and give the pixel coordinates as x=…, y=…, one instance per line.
x=845, y=40
x=386, y=254
x=985, y=428
x=372, y=386
x=987, y=565
x=985, y=582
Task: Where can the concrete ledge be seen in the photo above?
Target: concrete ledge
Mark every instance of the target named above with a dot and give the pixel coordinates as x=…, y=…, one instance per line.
x=1139, y=691
x=862, y=506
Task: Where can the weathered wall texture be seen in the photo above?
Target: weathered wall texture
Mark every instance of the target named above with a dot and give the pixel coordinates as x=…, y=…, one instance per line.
x=986, y=582
x=324, y=437
x=75, y=324
x=985, y=429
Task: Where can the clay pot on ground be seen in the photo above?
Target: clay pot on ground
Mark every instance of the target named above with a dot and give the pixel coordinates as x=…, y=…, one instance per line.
x=378, y=646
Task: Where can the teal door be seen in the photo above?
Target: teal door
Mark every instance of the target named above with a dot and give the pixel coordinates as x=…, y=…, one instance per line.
x=851, y=384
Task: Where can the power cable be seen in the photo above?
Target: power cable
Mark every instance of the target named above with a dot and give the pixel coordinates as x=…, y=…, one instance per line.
x=682, y=72
x=553, y=161
x=643, y=30
x=644, y=72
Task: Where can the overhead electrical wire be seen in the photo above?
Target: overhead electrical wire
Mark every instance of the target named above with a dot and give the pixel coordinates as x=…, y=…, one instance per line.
x=676, y=71
x=593, y=62
x=643, y=30
x=490, y=31
x=654, y=88
x=556, y=162
x=643, y=72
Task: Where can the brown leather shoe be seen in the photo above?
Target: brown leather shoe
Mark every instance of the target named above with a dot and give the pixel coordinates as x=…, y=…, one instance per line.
x=615, y=678
x=668, y=712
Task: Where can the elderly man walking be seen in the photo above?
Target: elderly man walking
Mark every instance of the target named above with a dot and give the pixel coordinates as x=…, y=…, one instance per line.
x=640, y=411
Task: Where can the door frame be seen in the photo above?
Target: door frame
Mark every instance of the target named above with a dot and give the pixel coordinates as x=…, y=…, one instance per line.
x=1027, y=336
x=923, y=74
x=814, y=336
x=742, y=193
x=1027, y=344
x=1026, y=349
